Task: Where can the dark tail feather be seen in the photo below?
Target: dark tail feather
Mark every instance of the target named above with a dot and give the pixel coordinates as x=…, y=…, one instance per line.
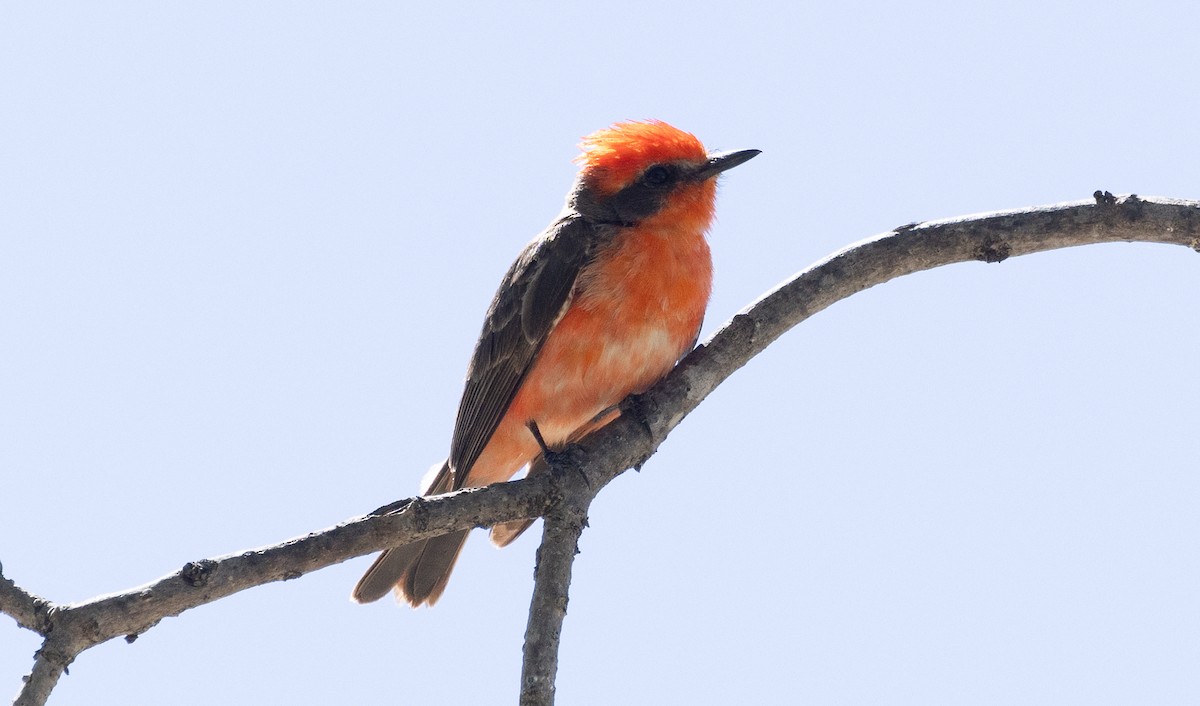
x=418, y=571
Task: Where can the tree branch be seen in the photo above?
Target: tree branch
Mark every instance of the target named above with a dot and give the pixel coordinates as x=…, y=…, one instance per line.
x=49, y=664
x=625, y=443
x=71, y=629
x=27, y=609
x=990, y=237
x=649, y=418
x=563, y=525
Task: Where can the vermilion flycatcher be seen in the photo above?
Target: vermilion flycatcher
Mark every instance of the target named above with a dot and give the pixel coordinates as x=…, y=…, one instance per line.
x=600, y=305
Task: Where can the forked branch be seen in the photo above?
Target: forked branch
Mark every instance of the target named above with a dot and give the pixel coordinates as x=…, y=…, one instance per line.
x=626, y=443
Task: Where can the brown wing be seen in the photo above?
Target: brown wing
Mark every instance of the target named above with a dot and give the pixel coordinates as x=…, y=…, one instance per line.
x=530, y=300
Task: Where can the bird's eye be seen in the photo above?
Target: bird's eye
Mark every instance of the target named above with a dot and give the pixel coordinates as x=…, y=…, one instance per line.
x=657, y=175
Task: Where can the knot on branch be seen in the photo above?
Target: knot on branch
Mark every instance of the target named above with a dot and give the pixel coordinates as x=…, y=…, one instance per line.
x=1131, y=207
x=197, y=573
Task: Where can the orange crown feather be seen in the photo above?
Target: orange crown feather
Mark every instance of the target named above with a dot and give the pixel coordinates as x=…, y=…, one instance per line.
x=614, y=156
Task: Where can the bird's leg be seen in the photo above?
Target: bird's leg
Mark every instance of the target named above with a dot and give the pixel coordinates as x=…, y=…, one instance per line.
x=537, y=436
x=559, y=462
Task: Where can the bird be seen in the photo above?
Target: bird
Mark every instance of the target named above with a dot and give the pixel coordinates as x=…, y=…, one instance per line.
x=600, y=305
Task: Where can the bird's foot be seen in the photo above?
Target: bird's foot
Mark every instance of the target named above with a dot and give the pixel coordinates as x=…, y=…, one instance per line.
x=561, y=462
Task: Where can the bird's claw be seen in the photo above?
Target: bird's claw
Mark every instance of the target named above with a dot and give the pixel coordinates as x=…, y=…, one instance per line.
x=561, y=462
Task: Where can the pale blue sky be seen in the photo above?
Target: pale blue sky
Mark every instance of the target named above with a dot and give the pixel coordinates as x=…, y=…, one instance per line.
x=246, y=249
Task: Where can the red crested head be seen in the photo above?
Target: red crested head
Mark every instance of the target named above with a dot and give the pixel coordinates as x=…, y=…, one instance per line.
x=613, y=157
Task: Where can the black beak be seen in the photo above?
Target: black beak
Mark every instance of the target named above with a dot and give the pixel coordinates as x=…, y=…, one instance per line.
x=720, y=161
